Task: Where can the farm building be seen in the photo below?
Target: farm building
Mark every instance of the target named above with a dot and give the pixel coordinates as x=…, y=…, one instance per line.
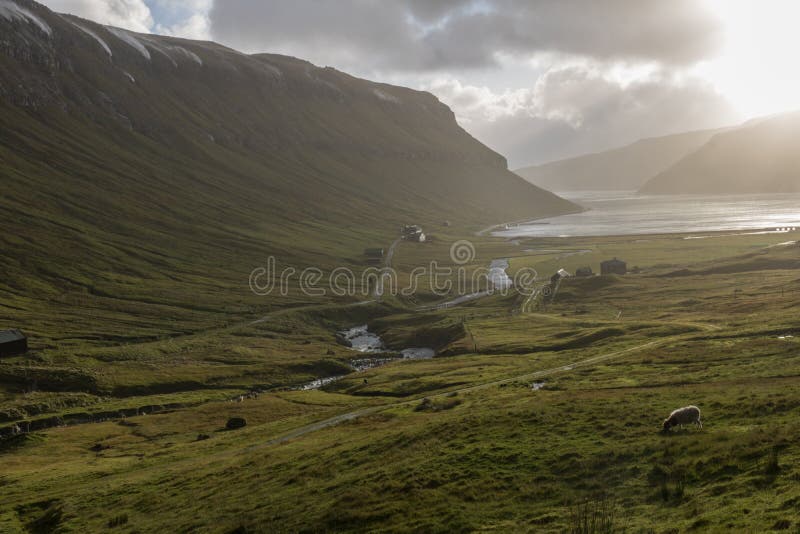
x=413, y=232
x=374, y=255
x=12, y=342
x=584, y=271
x=560, y=274
x=614, y=266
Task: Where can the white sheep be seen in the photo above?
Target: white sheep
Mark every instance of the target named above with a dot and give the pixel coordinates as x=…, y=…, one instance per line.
x=683, y=416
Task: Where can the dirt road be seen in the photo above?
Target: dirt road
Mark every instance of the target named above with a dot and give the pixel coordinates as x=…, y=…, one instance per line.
x=333, y=421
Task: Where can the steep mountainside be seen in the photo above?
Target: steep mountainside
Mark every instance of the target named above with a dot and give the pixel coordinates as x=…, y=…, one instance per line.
x=151, y=174
x=623, y=168
x=762, y=156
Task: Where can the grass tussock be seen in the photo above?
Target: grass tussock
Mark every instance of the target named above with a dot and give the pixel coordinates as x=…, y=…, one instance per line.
x=593, y=516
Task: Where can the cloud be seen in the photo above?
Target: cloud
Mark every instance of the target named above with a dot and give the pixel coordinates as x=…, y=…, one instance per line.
x=675, y=32
x=183, y=18
x=349, y=34
x=195, y=27
x=534, y=79
x=419, y=35
x=129, y=14
x=580, y=109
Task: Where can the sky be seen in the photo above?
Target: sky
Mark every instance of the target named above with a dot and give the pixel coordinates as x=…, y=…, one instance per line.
x=536, y=80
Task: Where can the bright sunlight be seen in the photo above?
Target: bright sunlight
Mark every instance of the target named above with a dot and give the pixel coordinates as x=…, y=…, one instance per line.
x=758, y=68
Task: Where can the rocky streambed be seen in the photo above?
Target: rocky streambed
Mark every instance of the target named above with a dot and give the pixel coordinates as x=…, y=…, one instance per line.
x=360, y=339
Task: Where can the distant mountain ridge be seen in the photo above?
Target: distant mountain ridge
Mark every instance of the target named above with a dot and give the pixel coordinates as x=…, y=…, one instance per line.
x=624, y=168
x=200, y=98
x=761, y=156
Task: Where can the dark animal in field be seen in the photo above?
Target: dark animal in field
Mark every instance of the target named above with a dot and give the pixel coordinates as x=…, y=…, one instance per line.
x=235, y=422
x=683, y=416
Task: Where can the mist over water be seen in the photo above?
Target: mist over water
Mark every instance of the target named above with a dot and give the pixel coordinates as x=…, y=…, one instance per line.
x=626, y=213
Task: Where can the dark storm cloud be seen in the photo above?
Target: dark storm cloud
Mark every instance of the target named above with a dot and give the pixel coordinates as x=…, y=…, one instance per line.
x=421, y=35
x=430, y=11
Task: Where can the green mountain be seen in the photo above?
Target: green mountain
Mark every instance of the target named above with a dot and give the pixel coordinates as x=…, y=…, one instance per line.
x=144, y=177
x=624, y=168
x=760, y=156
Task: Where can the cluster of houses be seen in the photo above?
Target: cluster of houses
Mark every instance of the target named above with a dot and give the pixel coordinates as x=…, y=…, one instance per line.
x=409, y=232
x=614, y=266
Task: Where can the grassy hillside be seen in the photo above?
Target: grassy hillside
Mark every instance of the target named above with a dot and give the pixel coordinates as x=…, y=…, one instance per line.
x=464, y=442
x=624, y=168
x=759, y=157
x=144, y=177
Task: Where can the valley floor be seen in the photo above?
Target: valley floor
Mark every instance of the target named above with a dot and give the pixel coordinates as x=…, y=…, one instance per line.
x=547, y=420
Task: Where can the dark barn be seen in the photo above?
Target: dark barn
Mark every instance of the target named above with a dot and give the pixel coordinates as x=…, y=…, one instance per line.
x=12, y=343
x=614, y=266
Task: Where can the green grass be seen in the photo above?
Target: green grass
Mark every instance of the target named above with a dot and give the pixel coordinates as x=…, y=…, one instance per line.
x=457, y=442
x=134, y=213
x=132, y=220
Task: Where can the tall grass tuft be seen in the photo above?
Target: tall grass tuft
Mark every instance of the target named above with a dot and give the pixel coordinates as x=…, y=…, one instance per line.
x=593, y=516
x=773, y=466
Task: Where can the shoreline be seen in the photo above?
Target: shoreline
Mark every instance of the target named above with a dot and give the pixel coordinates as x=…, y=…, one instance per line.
x=620, y=213
x=520, y=222
x=688, y=235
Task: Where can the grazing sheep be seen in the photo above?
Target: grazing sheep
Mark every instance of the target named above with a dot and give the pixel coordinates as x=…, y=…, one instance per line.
x=683, y=416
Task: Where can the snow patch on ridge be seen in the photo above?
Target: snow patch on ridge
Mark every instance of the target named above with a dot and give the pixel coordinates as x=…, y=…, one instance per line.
x=11, y=11
x=273, y=69
x=130, y=40
x=188, y=53
x=386, y=96
x=170, y=51
x=330, y=85
x=96, y=37
x=160, y=50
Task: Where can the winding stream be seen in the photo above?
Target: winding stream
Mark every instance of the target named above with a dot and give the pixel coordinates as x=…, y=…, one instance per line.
x=498, y=278
x=360, y=339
